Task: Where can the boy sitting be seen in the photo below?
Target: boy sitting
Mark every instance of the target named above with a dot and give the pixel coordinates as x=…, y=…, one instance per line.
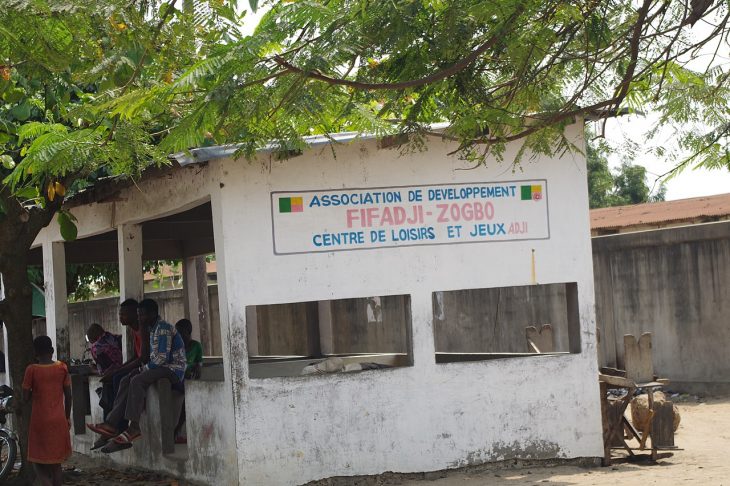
x=106, y=349
x=194, y=356
x=193, y=349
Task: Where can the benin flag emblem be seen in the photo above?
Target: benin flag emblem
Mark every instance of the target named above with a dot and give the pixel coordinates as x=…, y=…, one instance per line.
x=291, y=205
x=533, y=192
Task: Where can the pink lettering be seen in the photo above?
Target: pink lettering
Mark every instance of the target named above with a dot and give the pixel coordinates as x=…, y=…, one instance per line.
x=442, y=218
x=352, y=215
x=386, y=217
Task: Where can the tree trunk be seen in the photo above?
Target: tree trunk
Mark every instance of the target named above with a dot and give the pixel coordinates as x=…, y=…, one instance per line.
x=18, y=319
x=19, y=227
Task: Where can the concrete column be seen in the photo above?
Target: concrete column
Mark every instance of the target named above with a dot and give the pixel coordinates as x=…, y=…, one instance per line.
x=326, y=340
x=232, y=321
x=54, y=277
x=131, y=272
x=197, y=305
x=421, y=335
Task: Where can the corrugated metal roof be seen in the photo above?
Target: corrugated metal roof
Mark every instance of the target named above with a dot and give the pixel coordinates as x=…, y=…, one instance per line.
x=204, y=154
x=663, y=212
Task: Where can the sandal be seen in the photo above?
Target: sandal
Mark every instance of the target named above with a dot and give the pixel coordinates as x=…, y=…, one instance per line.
x=112, y=446
x=126, y=438
x=102, y=429
x=99, y=443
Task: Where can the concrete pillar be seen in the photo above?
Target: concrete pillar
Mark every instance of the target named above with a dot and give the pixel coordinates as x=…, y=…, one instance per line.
x=131, y=272
x=235, y=368
x=197, y=305
x=326, y=339
x=420, y=334
x=54, y=277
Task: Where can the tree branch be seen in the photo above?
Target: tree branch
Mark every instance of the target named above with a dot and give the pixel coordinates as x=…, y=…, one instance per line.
x=623, y=89
x=412, y=83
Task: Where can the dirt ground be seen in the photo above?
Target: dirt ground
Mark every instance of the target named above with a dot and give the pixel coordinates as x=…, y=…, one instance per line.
x=703, y=436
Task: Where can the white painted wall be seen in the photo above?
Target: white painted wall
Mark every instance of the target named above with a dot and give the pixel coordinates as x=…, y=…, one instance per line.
x=421, y=418
x=211, y=456
x=426, y=417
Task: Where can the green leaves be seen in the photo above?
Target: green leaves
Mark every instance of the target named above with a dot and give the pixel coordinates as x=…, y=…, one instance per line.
x=111, y=87
x=67, y=225
x=21, y=111
x=34, y=129
x=7, y=161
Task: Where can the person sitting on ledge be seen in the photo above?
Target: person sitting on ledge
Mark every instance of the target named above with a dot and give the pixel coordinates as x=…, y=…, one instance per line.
x=194, y=353
x=166, y=360
x=193, y=349
x=106, y=349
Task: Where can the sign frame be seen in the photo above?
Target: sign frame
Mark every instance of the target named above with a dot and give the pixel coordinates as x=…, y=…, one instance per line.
x=273, y=195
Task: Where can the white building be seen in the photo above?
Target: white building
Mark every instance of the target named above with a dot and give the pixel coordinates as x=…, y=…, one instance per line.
x=435, y=262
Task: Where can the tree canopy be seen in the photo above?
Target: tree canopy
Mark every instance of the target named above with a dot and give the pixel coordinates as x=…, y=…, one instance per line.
x=495, y=71
x=95, y=88
x=64, y=65
x=627, y=185
x=91, y=88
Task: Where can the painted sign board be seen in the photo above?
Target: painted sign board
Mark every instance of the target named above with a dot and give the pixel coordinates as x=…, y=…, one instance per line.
x=385, y=217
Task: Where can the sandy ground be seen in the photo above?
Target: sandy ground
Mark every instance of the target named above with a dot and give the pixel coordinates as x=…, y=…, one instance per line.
x=703, y=436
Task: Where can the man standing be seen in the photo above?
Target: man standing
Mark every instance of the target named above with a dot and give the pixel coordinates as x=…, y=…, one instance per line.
x=166, y=360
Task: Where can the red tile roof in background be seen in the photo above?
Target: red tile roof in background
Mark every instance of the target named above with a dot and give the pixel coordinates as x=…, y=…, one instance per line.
x=662, y=213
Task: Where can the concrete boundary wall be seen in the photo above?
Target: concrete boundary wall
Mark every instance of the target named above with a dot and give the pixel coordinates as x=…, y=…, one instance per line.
x=674, y=283
x=106, y=312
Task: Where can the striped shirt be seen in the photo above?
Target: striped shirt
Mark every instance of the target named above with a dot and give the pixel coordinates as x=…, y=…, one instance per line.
x=107, y=352
x=167, y=349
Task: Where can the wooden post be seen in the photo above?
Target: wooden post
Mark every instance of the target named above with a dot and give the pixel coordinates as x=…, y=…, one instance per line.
x=54, y=276
x=197, y=305
x=252, y=330
x=573, y=311
x=605, y=420
x=131, y=272
x=313, y=339
x=326, y=339
x=662, y=428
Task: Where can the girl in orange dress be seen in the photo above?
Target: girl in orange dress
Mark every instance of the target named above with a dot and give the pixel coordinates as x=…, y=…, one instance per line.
x=49, y=385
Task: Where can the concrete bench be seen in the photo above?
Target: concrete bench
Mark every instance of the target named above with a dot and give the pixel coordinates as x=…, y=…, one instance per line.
x=171, y=403
x=80, y=402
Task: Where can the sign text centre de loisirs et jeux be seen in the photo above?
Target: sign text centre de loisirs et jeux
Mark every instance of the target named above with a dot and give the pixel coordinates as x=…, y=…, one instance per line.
x=366, y=218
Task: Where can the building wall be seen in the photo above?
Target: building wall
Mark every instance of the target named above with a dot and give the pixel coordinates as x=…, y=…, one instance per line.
x=209, y=456
x=674, y=283
x=290, y=430
x=106, y=313
x=211, y=428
